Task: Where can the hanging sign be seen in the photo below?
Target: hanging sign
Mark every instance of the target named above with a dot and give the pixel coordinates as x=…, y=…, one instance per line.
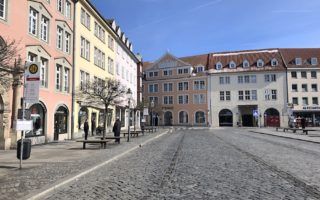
x=32, y=82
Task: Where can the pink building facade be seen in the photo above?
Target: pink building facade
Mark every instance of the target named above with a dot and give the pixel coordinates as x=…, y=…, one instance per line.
x=43, y=31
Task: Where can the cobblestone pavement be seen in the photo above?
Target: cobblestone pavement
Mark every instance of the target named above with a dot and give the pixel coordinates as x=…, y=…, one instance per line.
x=205, y=164
x=51, y=163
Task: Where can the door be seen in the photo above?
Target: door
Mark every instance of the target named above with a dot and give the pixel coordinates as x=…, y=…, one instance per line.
x=168, y=118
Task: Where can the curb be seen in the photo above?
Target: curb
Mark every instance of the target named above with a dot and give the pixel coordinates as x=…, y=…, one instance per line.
x=316, y=142
x=39, y=195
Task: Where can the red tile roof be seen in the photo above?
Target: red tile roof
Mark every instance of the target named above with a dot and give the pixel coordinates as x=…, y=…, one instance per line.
x=305, y=54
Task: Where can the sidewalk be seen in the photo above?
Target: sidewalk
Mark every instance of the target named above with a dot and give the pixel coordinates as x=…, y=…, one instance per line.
x=313, y=136
x=52, y=163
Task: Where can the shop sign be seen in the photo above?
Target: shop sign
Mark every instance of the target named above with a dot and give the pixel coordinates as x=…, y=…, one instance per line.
x=311, y=108
x=145, y=111
x=32, y=82
x=24, y=125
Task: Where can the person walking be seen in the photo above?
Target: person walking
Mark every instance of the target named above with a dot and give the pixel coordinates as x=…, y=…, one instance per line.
x=116, y=129
x=86, y=129
x=93, y=126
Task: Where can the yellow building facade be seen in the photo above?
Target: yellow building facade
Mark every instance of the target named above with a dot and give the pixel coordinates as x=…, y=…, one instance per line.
x=94, y=56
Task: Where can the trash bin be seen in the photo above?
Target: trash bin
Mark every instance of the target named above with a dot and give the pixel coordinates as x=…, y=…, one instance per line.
x=26, y=149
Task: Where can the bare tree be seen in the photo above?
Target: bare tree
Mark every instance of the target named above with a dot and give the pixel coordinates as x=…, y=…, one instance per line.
x=102, y=93
x=11, y=69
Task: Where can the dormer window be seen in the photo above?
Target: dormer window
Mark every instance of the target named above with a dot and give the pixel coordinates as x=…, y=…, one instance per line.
x=199, y=69
x=260, y=63
x=298, y=61
x=219, y=66
x=245, y=64
x=232, y=65
x=274, y=62
x=314, y=61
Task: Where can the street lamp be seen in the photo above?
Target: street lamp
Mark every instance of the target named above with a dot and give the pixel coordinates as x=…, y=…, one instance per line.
x=152, y=105
x=129, y=93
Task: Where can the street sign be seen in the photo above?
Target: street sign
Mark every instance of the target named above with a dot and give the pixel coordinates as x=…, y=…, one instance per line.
x=255, y=113
x=32, y=82
x=145, y=111
x=24, y=125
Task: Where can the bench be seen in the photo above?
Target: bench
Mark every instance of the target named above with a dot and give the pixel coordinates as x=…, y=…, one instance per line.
x=150, y=129
x=133, y=133
x=102, y=142
x=294, y=130
x=109, y=138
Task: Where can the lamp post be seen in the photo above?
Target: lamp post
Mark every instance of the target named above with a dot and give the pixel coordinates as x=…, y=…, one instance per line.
x=152, y=105
x=129, y=93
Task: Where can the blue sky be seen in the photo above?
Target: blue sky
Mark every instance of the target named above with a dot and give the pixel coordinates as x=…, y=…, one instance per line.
x=192, y=27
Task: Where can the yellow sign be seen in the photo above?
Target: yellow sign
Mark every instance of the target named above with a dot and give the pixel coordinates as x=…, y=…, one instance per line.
x=33, y=68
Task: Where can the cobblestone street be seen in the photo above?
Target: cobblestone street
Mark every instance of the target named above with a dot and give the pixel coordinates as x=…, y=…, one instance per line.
x=206, y=164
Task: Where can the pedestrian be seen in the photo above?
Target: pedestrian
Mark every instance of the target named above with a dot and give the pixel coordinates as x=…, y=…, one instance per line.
x=116, y=129
x=303, y=123
x=93, y=126
x=86, y=129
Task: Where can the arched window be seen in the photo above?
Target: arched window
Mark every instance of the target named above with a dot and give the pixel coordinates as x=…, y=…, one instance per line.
x=274, y=62
x=200, y=117
x=183, y=117
x=219, y=66
x=232, y=65
x=245, y=64
x=260, y=63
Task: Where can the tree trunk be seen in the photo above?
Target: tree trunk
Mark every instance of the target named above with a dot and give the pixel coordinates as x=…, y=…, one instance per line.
x=105, y=121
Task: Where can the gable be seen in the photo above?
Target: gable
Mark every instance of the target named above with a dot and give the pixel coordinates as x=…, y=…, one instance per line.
x=168, y=61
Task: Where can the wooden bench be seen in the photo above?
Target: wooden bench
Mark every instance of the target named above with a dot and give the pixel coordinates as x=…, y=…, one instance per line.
x=150, y=129
x=294, y=130
x=109, y=138
x=103, y=143
x=133, y=133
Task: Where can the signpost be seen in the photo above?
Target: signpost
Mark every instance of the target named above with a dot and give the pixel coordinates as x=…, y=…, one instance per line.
x=30, y=95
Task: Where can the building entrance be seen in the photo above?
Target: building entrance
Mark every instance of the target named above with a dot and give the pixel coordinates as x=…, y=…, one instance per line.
x=246, y=115
x=168, y=118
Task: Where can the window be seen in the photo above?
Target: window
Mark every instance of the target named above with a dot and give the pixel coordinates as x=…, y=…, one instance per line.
x=185, y=70
x=58, y=77
x=154, y=99
x=313, y=74
x=224, y=80
x=303, y=74
x=59, y=37
x=314, y=87
x=199, y=98
x=2, y=9
x=219, y=66
x=85, y=49
x=110, y=42
x=295, y=101
x=117, y=69
x=240, y=79
x=254, y=95
x=305, y=101
x=43, y=72
x=66, y=80
x=228, y=95
x=227, y=79
x=232, y=65
x=167, y=72
x=167, y=100
x=225, y=95
x=60, y=5
x=183, y=99
x=199, y=85
x=247, y=94
x=200, y=117
x=183, y=117
x=270, y=78
x=274, y=94
x=99, y=32
x=84, y=79
x=167, y=87
x=260, y=63
x=314, y=61
x=183, y=86
x=304, y=87
x=253, y=78
x=110, y=66
x=153, y=88
x=221, y=80
x=245, y=64
x=32, y=57
x=68, y=10
x=199, y=69
x=99, y=58
x=180, y=71
x=247, y=79
x=152, y=74
x=44, y=29
x=298, y=61
x=294, y=87
x=267, y=94
x=33, y=21
x=67, y=42
x=240, y=95
x=274, y=62
x=315, y=101
x=221, y=95
x=85, y=18
x=293, y=74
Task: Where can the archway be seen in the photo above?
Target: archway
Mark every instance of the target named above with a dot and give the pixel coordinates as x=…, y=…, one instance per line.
x=168, y=118
x=82, y=116
x=60, y=121
x=200, y=117
x=183, y=117
x=225, y=118
x=38, y=116
x=272, y=117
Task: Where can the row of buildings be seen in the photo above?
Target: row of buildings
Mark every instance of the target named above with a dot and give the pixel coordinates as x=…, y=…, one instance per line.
x=266, y=87
x=74, y=44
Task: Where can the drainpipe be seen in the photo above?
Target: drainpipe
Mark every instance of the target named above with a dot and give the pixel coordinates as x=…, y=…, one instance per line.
x=73, y=69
